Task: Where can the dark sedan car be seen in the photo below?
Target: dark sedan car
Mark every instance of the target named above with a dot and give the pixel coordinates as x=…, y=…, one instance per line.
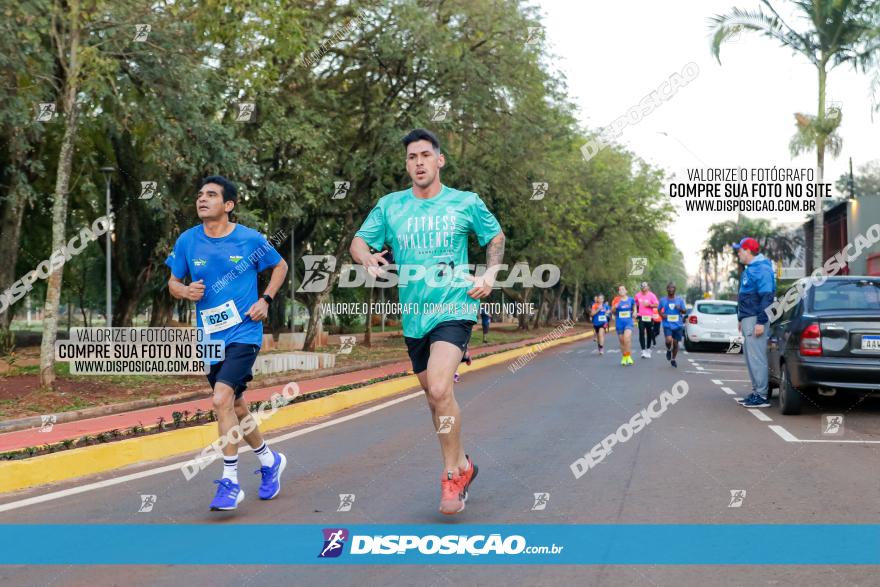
x=828, y=342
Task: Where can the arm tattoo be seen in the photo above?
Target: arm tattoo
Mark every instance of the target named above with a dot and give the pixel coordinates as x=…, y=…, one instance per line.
x=495, y=251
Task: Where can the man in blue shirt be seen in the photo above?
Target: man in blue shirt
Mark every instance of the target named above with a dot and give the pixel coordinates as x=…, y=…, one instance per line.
x=757, y=288
x=673, y=310
x=222, y=260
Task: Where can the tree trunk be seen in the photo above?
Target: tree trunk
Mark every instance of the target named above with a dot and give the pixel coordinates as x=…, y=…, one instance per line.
x=59, y=205
x=313, y=305
x=161, y=308
x=537, y=319
x=554, y=305
x=368, y=329
x=819, y=218
x=576, y=309
x=124, y=310
x=10, y=228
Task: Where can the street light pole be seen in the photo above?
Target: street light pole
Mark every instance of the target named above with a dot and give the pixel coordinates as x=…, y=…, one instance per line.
x=107, y=171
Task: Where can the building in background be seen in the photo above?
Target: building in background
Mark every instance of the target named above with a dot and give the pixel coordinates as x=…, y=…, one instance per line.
x=843, y=222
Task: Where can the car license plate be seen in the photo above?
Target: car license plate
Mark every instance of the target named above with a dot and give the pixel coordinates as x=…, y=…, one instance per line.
x=871, y=343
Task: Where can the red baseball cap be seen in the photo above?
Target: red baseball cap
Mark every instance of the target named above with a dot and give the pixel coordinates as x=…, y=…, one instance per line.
x=749, y=244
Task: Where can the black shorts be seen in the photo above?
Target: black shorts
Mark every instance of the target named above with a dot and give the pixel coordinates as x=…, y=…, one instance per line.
x=457, y=332
x=235, y=368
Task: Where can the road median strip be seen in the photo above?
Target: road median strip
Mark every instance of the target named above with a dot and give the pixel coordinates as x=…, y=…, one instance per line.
x=90, y=460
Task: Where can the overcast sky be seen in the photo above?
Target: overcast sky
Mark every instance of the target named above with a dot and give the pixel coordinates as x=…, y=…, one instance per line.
x=739, y=113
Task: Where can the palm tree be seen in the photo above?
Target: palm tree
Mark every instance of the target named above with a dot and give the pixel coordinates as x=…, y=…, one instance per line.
x=837, y=32
x=776, y=244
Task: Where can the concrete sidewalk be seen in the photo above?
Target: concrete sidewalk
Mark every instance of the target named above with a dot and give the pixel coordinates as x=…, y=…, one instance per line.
x=19, y=439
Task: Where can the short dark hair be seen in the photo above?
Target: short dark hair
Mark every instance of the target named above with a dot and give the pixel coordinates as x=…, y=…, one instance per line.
x=420, y=134
x=230, y=192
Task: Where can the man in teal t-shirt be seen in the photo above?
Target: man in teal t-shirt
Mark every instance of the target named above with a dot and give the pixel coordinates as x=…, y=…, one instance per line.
x=427, y=228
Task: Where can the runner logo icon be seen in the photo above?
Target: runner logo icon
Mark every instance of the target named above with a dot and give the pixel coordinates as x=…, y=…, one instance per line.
x=147, y=503
x=639, y=264
x=340, y=189
x=446, y=424
x=541, y=500
x=346, y=500
x=737, y=496
x=47, y=422
x=833, y=424
x=334, y=540
x=319, y=268
x=539, y=190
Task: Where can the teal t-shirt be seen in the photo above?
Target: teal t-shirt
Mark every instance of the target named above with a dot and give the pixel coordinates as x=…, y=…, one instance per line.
x=431, y=234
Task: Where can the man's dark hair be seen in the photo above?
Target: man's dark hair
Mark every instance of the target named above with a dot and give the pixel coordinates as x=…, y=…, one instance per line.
x=420, y=134
x=230, y=192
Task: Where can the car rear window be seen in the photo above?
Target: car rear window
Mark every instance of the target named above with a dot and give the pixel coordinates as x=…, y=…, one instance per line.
x=847, y=295
x=719, y=309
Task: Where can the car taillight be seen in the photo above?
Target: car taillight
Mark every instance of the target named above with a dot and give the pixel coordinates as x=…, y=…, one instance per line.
x=692, y=319
x=811, y=341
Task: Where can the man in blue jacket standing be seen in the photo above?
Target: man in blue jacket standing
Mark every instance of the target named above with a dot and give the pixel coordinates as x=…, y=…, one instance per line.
x=757, y=288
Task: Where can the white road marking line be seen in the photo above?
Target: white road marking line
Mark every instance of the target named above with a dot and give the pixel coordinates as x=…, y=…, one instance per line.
x=166, y=468
x=736, y=380
x=761, y=416
x=716, y=381
x=783, y=433
x=685, y=352
x=844, y=441
x=789, y=437
x=728, y=391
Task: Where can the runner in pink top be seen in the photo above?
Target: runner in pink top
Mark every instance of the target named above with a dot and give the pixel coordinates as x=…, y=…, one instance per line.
x=646, y=302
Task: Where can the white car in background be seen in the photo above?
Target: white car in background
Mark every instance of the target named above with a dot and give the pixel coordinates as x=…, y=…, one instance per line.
x=712, y=323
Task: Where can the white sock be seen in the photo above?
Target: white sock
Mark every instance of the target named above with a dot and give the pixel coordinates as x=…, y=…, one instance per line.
x=267, y=459
x=230, y=468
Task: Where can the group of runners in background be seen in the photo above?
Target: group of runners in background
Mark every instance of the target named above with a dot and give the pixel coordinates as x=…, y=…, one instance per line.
x=649, y=312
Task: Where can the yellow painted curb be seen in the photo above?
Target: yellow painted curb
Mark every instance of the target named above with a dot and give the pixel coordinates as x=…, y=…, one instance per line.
x=79, y=462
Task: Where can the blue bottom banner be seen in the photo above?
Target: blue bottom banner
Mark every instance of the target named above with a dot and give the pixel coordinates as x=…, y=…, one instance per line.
x=379, y=544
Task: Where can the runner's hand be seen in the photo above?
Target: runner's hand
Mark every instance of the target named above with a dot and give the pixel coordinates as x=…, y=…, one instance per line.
x=374, y=263
x=195, y=290
x=482, y=287
x=759, y=329
x=258, y=311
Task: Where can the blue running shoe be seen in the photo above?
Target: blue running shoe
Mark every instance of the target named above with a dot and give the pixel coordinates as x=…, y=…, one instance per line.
x=755, y=401
x=271, y=484
x=229, y=495
x=740, y=400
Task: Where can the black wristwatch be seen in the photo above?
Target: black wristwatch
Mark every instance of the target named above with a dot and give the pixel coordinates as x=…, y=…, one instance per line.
x=268, y=299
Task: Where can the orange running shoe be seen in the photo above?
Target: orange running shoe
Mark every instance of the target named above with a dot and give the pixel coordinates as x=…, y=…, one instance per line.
x=454, y=489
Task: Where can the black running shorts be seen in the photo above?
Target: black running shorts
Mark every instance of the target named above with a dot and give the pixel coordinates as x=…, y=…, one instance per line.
x=457, y=332
x=235, y=368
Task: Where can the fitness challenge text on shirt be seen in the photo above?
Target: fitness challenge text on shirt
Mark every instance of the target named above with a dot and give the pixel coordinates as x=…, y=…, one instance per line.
x=426, y=234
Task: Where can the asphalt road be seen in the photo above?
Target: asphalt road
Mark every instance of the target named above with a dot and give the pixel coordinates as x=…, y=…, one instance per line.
x=524, y=430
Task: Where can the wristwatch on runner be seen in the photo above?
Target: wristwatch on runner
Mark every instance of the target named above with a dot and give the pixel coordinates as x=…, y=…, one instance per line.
x=268, y=299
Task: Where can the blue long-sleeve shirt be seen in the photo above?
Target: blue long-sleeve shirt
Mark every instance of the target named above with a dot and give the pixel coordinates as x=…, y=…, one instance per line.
x=757, y=288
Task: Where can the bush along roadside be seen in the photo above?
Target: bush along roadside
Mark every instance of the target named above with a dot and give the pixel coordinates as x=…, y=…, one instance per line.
x=183, y=419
